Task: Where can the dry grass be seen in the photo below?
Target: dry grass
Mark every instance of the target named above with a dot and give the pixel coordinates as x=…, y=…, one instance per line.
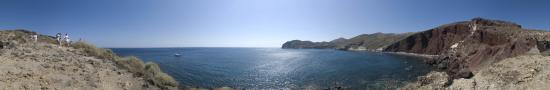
x=160, y=78
x=150, y=71
x=133, y=64
x=92, y=50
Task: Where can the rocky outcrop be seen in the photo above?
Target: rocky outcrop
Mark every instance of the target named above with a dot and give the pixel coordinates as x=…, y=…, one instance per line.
x=467, y=46
x=525, y=72
x=42, y=65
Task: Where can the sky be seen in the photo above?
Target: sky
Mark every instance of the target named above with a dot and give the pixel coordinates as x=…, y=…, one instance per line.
x=251, y=23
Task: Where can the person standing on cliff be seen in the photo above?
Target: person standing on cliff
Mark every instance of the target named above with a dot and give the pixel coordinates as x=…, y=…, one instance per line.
x=34, y=37
x=67, y=39
x=58, y=38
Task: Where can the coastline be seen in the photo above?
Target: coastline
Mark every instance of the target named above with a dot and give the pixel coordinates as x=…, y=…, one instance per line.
x=425, y=56
x=462, y=49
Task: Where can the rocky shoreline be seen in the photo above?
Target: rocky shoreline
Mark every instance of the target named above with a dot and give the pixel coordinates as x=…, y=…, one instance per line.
x=526, y=72
x=425, y=56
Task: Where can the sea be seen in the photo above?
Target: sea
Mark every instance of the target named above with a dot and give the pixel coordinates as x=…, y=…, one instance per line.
x=282, y=69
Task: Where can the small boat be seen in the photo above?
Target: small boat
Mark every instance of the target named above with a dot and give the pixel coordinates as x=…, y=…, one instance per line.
x=177, y=54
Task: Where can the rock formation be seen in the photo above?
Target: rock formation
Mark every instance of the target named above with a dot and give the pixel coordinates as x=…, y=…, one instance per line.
x=481, y=54
x=525, y=72
x=467, y=46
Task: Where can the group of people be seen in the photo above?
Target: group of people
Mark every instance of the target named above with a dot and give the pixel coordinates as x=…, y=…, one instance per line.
x=65, y=39
x=60, y=39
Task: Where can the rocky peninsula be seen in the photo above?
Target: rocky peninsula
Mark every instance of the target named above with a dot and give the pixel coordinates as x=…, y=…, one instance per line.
x=364, y=42
x=475, y=54
x=43, y=65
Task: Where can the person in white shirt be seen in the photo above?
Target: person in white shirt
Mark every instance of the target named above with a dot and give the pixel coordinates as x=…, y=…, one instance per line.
x=67, y=40
x=58, y=38
x=34, y=37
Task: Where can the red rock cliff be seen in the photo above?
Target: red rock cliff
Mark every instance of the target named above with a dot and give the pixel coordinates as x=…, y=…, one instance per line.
x=467, y=46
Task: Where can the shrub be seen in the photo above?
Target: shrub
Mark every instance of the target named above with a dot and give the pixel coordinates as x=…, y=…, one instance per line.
x=133, y=65
x=150, y=71
x=91, y=50
x=159, y=78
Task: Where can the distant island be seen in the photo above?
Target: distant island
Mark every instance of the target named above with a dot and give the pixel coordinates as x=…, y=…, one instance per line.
x=475, y=54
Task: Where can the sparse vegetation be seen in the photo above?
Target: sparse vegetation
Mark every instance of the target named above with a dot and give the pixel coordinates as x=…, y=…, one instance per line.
x=160, y=78
x=133, y=64
x=150, y=71
x=92, y=50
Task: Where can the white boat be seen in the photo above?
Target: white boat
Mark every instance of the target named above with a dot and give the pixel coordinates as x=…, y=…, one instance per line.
x=177, y=54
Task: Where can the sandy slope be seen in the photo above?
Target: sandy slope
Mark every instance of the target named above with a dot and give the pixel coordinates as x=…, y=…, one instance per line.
x=40, y=66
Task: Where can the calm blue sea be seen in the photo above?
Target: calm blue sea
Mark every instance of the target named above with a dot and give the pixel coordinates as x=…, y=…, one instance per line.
x=274, y=68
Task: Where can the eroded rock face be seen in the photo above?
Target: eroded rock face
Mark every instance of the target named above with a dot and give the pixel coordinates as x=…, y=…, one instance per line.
x=467, y=46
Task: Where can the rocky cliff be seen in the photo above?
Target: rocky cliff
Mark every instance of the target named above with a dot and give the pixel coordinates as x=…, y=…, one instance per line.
x=524, y=72
x=465, y=49
x=470, y=45
x=43, y=65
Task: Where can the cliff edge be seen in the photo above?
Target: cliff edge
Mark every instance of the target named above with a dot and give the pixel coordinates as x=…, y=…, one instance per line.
x=481, y=54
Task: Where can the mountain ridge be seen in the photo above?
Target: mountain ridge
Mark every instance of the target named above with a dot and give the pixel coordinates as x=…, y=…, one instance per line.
x=363, y=42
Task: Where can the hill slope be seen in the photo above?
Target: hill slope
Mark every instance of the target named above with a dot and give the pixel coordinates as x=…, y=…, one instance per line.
x=364, y=42
x=28, y=65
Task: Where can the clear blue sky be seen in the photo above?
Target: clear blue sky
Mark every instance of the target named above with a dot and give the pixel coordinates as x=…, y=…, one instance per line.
x=251, y=23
